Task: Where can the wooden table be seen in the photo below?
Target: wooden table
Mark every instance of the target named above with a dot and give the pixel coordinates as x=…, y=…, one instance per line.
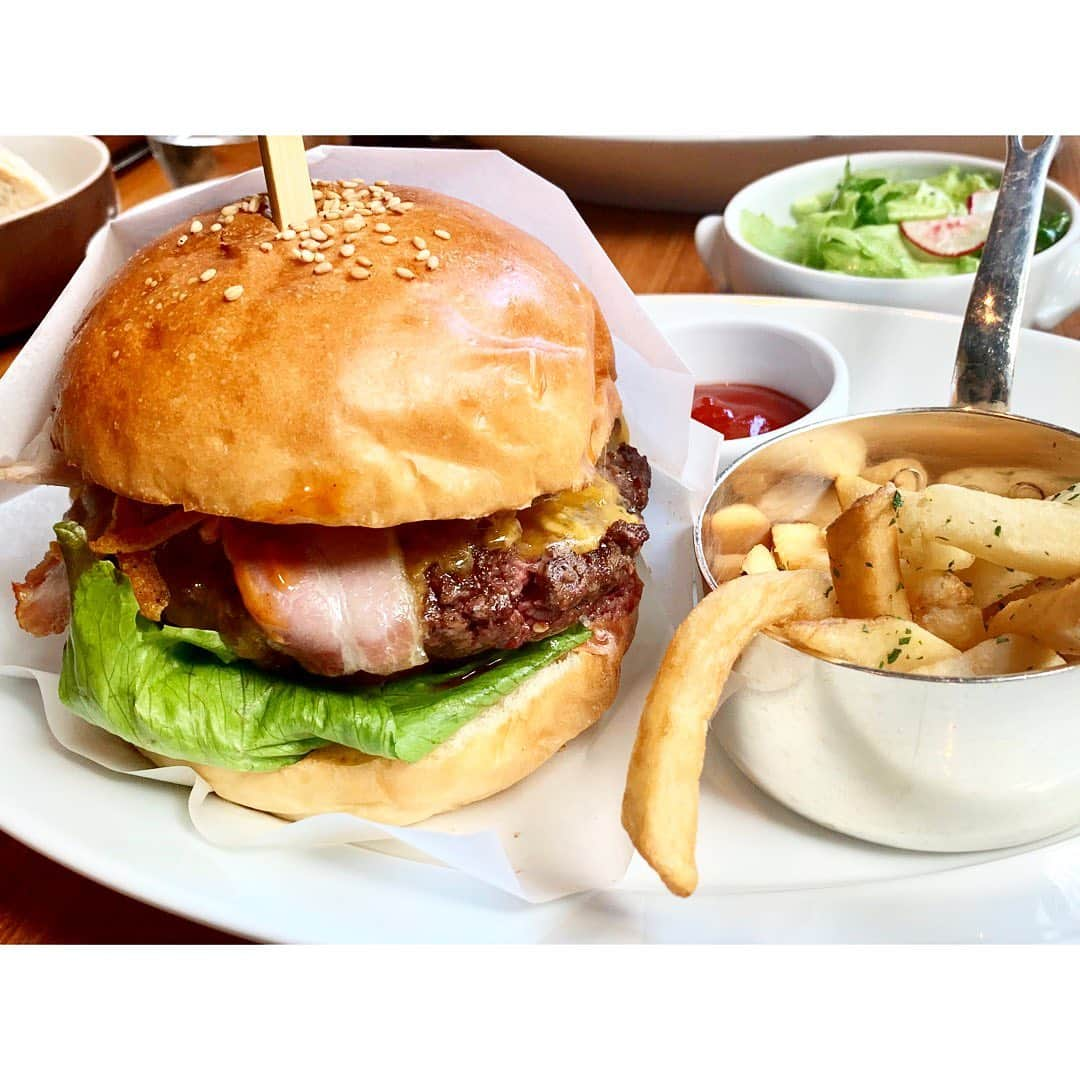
x=43, y=902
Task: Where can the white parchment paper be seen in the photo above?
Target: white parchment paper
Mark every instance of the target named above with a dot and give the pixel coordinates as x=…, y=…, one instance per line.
x=558, y=831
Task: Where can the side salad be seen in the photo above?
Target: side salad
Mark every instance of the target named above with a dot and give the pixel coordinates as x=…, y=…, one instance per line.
x=872, y=226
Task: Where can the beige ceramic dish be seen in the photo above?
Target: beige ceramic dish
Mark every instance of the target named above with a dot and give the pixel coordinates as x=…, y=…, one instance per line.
x=41, y=248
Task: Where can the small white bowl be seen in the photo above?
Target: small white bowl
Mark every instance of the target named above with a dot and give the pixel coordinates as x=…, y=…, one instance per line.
x=798, y=363
x=1053, y=287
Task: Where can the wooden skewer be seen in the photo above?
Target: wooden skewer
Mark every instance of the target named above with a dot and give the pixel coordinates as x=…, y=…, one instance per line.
x=287, y=180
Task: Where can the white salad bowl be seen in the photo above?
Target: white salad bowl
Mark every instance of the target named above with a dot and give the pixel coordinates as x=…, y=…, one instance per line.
x=1053, y=287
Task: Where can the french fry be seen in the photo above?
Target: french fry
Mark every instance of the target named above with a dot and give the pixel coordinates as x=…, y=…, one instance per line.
x=990, y=583
x=935, y=588
x=1002, y=655
x=827, y=453
x=759, y=560
x=849, y=488
x=884, y=643
x=922, y=550
x=1041, y=538
x=908, y=474
x=660, y=803
x=800, y=546
x=726, y=567
x=962, y=627
x=1014, y=483
x=1051, y=616
x=1070, y=496
x=735, y=529
x=865, y=557
x=1035, y=585
x=802, y=499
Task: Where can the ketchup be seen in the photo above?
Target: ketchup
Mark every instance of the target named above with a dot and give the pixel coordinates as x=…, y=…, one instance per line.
x=738, y=410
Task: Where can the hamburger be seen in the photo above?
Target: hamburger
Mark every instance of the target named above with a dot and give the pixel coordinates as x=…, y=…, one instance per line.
x=354, y=516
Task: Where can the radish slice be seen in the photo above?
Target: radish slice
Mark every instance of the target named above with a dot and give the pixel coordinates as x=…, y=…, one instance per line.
x=982, y=202
x=948, y=237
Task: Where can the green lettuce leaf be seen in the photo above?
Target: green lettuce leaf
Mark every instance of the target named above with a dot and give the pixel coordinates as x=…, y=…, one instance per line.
x=853, y=229
x=182, y=693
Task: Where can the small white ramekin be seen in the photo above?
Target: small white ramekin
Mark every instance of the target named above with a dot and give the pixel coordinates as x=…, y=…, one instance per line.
x=799, y=363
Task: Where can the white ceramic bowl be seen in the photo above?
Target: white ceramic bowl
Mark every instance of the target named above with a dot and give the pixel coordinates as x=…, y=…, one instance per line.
x=42, y=247
x=1053, y=288
x=799, y=363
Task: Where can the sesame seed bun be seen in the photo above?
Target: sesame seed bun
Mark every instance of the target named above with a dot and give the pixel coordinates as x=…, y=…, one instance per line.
x=221, y=371
x=493, y=751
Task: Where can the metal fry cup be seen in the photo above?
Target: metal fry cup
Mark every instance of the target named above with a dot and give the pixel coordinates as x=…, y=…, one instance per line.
x=907, y=760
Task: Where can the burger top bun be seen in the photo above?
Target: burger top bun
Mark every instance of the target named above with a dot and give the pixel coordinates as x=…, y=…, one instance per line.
x=223, y=371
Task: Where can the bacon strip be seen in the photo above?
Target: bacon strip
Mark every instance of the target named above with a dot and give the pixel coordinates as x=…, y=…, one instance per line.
x=336, y=599
x=129, y=532
x=42, y=601
x=149, y=586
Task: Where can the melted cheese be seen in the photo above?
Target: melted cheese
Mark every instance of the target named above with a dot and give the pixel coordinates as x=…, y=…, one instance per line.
x=578, y=518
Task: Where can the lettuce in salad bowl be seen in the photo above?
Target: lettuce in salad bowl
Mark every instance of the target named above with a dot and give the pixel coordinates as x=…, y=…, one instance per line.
x=876, y=224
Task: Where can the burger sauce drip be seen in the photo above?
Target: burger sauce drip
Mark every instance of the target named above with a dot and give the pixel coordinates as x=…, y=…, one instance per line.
x=741, y=410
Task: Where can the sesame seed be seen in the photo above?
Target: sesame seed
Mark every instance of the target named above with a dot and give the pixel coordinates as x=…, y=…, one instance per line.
x=181, y=240
x=376, y=207
x=348, y=249
x=319, y=257
x=206, y=275
x=358, y=273
x=442, y=234
x=433, y=262
x=309, y=245
x=307, y=256
x=266, y=246
x=116, y=353
x=331, y=215
x=322, y=268
x=304, y=234
x=287, y=234
x=419, y=243
x=182, y=296
x=363, y=260
x=326, y=244
x=216, y=227
x=382, y=227
x=388, y=239
x=196, y=226
x=355, y=224
x=317, y=195
x=233, y=292
x=318, y=234
x=230, y=218
x=149, y=281
x=349, y=184
x=407, y=205
x=422, y=256
x=404, y=272
x=232, y=208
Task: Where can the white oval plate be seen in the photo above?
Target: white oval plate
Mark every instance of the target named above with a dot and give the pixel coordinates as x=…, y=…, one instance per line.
x=767, y=874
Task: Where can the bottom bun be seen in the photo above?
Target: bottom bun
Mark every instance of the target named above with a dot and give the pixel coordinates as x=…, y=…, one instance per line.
x=495, y=750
